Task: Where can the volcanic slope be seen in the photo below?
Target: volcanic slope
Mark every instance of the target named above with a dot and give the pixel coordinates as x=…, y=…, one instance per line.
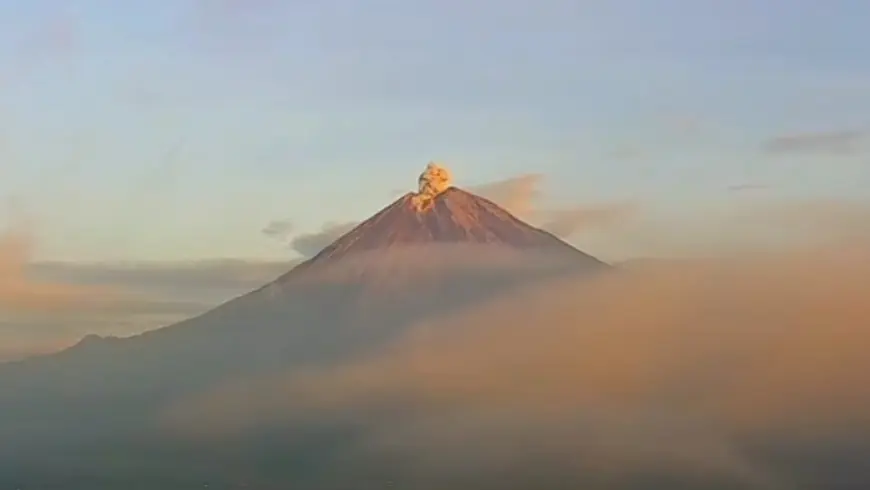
x=454, y=217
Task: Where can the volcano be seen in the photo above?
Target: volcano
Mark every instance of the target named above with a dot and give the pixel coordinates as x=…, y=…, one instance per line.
x=455, y=216
x=441, y=214
x=433, y=251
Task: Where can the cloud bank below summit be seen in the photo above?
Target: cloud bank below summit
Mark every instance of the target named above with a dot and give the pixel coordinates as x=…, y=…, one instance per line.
x=47, y=306
x=736, y=372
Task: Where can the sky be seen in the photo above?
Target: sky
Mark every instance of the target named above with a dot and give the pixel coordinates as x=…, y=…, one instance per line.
x=176, y=130
x=160, y=157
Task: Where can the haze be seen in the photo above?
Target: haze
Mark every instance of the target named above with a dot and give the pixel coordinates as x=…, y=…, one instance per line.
x=157, y=161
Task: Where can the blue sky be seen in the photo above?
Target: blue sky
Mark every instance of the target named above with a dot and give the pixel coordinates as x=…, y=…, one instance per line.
x=177, y=129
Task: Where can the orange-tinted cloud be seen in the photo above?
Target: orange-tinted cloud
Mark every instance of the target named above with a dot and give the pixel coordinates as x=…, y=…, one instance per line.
x=19, y=292
x=707, y=355
x=517, y=194
x=522, y=196
x=45, y=306
x=566, y=222
x=751, y=225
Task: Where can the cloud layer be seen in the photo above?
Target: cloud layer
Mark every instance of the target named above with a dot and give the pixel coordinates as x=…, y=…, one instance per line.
x=732, y=372
x=45, y=306
x=19, y=292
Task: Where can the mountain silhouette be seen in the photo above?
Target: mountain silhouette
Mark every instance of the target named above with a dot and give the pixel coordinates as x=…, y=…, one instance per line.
x=428, y=253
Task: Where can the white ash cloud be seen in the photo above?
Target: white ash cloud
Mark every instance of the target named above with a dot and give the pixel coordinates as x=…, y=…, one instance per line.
x=434, y=180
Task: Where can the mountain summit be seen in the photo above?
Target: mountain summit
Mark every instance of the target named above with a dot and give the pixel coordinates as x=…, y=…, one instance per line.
x=441, y=214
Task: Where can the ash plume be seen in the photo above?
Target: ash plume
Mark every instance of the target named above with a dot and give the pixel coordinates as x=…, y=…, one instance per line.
x=434, y=180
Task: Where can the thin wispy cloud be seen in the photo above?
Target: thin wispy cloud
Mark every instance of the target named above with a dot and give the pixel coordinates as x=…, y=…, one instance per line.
x=523, y=196
x=748, y=187
x=819, y=219
x=19, y=292
x=278, y=229
x=565, y=223
x=195, y=277
x=24, y=298
x=57, y=37
x=232, y=26
x=844, y=142
x=518, y=195
x=48, y=305
x=53, y=39
x=755, y=223
x=309, y=244
x=625, y=152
